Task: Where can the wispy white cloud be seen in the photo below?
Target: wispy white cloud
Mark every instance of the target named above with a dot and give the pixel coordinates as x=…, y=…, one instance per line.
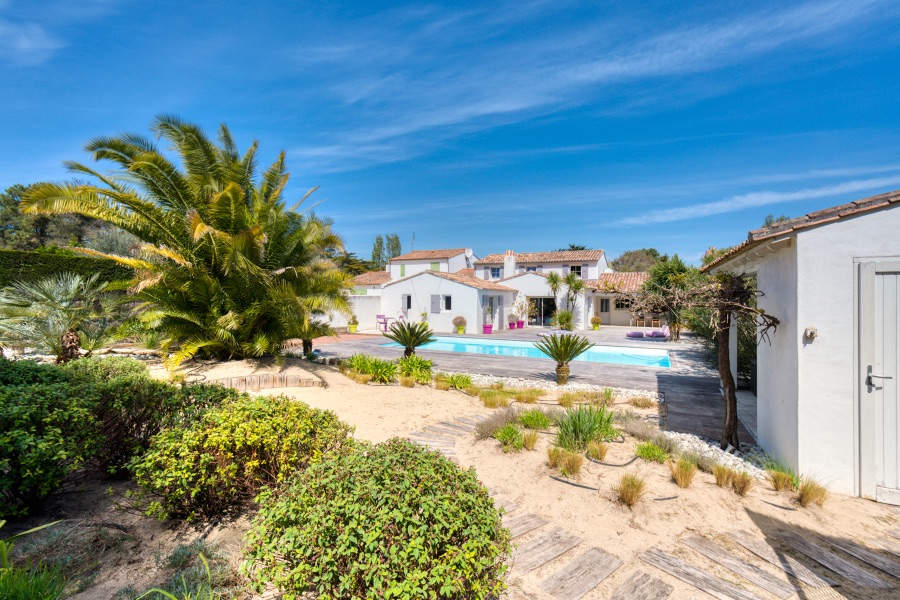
x=759, y=199
x=26, y=43
x=412, y=93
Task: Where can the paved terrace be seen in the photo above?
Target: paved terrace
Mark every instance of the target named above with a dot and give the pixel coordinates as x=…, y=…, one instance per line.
x=691, y=387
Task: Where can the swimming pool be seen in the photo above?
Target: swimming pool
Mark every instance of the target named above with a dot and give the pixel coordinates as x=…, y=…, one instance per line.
x=645, y=357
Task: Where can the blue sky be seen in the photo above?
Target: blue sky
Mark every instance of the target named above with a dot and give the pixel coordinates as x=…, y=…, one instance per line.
x=519, y=125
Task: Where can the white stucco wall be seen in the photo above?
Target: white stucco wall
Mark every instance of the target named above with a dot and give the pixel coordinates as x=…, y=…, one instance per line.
x=533, y=285
x=465, y=302
x=828, y=377
x=777, y=381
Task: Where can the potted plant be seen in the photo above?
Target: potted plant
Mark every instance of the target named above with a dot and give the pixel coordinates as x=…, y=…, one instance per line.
x=522, y=310
x=460, y=324
x=352, y=324
x=511, y=319
x=596, y=322
x=488, y=321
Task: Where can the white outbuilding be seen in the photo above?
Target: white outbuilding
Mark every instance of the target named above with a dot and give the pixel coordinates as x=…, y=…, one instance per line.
x=827, y=402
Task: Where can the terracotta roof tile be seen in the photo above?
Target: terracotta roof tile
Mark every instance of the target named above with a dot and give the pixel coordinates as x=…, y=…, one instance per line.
x=619, y=282
x=523, y=274
x=466, y=272
x=473, y=282
x=813, y=219
x=372, y=278
x=559, y=256
x=427, y=254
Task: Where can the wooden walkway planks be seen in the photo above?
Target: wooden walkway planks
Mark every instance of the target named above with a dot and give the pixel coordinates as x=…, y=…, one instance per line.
x=581, y=575
x=786, y=563
x=748, y=571
x=507, y=505
x=699, y=579
x=870, y=557
x=641, y=586
x=524, y=524
x=267, y=381
x=832, y=561
x=542, y=550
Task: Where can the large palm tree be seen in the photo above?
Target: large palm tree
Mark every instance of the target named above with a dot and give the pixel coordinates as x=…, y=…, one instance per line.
x=226, y=270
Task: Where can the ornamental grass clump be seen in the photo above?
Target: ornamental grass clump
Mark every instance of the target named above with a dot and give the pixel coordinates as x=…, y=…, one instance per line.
x=742, y=483
x=584, y=424
x=651, y=452
x=494, y=398
x=222, y=459
x=780, y=480
x=570, y=463
x=416, y=367
x=723, y=475
x=630, y=489
x=407, y=381
x=641, y=402
x=349, y=527
x=529, y=440
x=597, y=450
x=554, y=454
x=810, y=491
x=496, y=420
x=563, y=349
x=683, y=472
x=528, y=396
x=459, y=381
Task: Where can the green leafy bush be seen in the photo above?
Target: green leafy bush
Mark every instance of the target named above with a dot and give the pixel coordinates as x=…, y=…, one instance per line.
x=382, y=371
x=26, y=372
x=349, y=527
x=97, y=368
x=416, y=367
x=358, y=363
x=651, y=452
x=535, y=419
x=510, y=438
x=46, y=432
x=459, y=381
x=584, y=424
x=224, y=457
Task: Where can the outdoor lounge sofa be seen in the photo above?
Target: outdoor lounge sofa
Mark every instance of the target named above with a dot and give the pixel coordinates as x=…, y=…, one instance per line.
x=663, y=334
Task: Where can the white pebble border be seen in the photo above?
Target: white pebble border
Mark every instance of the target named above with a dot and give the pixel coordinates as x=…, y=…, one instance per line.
x=686, y=442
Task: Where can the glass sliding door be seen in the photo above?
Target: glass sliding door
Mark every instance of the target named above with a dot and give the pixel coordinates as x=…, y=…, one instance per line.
x=540, y=310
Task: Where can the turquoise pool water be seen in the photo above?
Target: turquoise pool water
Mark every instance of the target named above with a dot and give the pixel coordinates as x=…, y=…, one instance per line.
x=645, y=357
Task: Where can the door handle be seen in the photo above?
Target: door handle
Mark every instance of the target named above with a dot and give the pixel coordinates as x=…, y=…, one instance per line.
x=870, y=377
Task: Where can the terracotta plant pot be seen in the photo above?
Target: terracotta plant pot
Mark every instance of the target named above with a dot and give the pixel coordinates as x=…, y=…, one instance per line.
x=352, y=328
x=461, y=329
x=520, y=324
x=486, y=328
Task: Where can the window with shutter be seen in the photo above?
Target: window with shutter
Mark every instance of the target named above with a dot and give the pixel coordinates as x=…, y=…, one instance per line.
x=435, y=304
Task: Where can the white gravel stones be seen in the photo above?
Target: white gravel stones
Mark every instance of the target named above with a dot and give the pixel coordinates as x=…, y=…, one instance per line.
x=691, y=443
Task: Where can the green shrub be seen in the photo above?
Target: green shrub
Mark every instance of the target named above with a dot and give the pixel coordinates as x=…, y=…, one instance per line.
x=27, y=372
x=459, y=381
x=496, y=420
x=358, y=363
x=382, y=371
x=416, y=367
x=97, y=369
x=224, y=457
x=349, y=527
x=510, y=438
x=584, y=424
x=535, y=419
x=46, y=432
x=651, y=452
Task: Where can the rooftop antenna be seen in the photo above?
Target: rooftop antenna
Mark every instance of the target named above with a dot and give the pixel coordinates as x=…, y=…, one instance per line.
x=412, y=242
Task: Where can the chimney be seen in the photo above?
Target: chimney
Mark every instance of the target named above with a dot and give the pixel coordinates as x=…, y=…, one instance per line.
x=509, y=264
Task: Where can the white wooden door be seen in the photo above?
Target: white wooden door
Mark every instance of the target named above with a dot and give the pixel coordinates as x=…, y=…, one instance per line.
x=879, y=354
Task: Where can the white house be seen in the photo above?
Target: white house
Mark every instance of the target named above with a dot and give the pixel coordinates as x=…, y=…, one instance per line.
x=827, y=400
x=521, y=280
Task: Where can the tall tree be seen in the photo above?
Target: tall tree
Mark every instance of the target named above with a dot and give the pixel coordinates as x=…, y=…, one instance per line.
x=393, y=248
x=378, y=253
x=637, y=260
x=19, y=231
x=226, y=270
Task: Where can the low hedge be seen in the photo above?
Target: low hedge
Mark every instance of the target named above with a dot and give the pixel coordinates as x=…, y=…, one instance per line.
x=388, y=521
x=47, y=430
x=18, y=265
x=225, y=457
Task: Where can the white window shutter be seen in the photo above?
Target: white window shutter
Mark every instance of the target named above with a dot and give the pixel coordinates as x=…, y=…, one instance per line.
x=435, y=304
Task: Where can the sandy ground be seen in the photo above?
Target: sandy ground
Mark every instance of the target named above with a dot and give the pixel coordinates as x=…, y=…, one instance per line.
x=665, y=516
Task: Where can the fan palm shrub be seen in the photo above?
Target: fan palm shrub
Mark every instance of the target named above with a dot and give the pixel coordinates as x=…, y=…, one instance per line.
x=225, y=270
x=58, y=314
x=410, y=336
x=563, y=349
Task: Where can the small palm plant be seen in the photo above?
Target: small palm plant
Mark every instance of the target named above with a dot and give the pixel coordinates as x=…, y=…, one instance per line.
x=410, y=336
x=563, y=349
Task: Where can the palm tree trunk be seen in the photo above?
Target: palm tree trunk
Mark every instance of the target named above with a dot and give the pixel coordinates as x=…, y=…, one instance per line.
x=409, y=351
x=562, y=374
x=730, y=428
x=307, y=346
x=70, y=348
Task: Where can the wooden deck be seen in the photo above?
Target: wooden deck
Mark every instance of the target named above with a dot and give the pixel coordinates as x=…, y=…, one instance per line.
x=691, y=387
